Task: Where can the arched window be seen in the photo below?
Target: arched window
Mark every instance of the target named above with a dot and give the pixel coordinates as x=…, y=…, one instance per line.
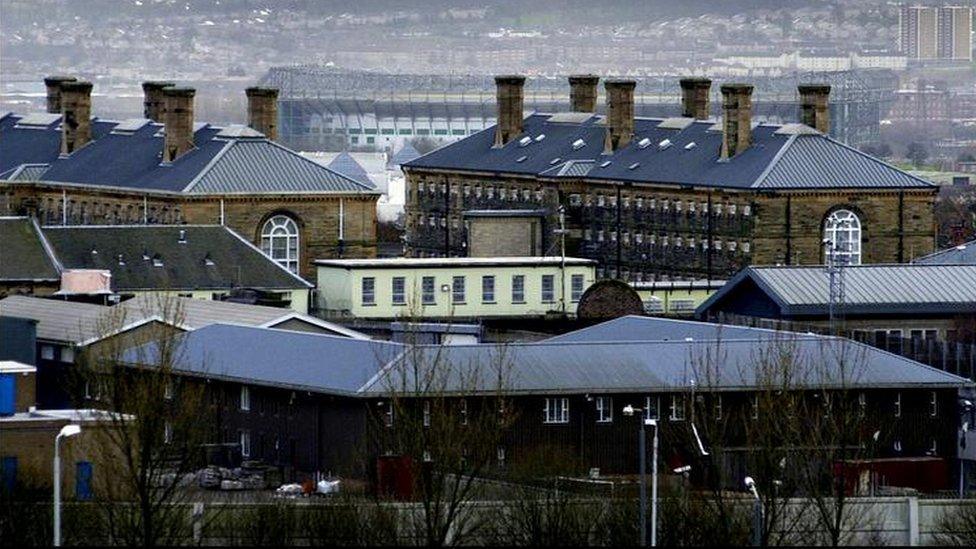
x=842, y=231
x=279, y=241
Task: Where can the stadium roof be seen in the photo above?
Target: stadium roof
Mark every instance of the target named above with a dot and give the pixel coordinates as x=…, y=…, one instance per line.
x=666, y=152
x=868, y=290
x=128, y=155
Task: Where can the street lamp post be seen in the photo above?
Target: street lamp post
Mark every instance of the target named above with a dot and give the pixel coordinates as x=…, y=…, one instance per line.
x=757, y=513
x=642, y=459
x=66, y=431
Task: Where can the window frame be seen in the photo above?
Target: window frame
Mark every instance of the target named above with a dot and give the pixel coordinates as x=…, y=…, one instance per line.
x=677, y=412
x=555, y=411
x=547, y=295
x=518, y=288
x=398, y=296
x=488, y=289
x=245, y=400
x=576, y=283
x=458, y=289
x=428, y=294
x=604, y=409
x=371, y=294
x=282, y=227
x=844, y=225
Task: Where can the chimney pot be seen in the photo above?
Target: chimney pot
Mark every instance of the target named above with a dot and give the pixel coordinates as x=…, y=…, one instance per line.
x=511, y=99
x=75, y=115
x=736, y=118
x=262, y=110
x=179, y=122
x=53, y=85
x=620, y=113
x=814, y=106
x=583, y=92
x=153, y=103
x=694, y=98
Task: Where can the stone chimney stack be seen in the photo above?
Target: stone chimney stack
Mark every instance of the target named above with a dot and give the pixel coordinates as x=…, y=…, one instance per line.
x=153, y=104
x=620, y=114
x=178, y=121
x=511, y=99
x=262, y=111
x=582, y=92
x=53, y=85
x=75, y=115
x=694, y=98
x=736, y=118
x=814, y=107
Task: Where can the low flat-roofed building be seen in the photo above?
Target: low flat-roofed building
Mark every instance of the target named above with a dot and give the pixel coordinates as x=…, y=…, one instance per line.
x=452, y=288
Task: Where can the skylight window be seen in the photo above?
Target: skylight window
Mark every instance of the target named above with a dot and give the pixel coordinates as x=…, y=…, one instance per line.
x=555, y=161
x=578, y=144
x=157, y=261
x=690, y=146
x=644, y=143
x=540, y=137
x=664, y=144
x=521, y=159
x=605, y=164
x=634, y=166
x=525, y=141
x=208, y=261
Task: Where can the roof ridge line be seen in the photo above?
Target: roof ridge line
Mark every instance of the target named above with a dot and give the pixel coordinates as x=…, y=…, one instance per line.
x=210, y=165
x=48, y=249
x=772, y=163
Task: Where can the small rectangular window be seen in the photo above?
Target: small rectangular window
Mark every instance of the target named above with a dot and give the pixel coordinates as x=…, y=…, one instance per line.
x=897, y=406
x=428, y=290
x=934, y=404
x=67, y=354
x=604, y=409
x=457, y=289
x=677, y=407
x=501, y=456
x=388, y=416
x=718, y=407
x=556, y=410
x=548, y=288
x=755, y=407
x=245, y=398
x=576, y=287
x=369, y=291
x=167, y=432
x=245, y=443
x=463, y=409
x=427, y=413
x=518, y=288
x=47, y=352
x=399, y=290
x=488, y=289
x=652, y=406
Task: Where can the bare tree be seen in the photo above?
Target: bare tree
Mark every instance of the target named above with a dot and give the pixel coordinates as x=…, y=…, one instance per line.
x=446, y=414
x=155, y=427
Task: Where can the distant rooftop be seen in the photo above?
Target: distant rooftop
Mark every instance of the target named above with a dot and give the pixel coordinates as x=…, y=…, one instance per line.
x=415, y=262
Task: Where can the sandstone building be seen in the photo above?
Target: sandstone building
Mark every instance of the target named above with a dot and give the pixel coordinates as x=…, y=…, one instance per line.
x=66, y=167
x=664, y=199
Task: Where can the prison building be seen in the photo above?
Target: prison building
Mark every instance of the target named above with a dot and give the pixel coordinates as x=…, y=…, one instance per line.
x=67, y=167
x=686, y=197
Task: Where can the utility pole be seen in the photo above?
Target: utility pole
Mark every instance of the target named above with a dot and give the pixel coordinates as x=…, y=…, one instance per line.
x=562, y=253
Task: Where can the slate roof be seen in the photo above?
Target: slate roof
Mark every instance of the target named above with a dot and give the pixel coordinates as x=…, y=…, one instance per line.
x=963, y=254
x=334, y=365
x=236, y=262
x=23, y=254
x=129, y=155
x=346, y=165
x=868, y=289
x=76, y=322
x=406, y=154
x=677, y=152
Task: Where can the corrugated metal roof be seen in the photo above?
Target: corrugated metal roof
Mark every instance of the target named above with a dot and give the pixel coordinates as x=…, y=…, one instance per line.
x=262, y=356
x=963, y=254
x=645, y=328
x=74, y=322
x=868, y=289
x=693, y=157
x=262, y=166
x=563, y=367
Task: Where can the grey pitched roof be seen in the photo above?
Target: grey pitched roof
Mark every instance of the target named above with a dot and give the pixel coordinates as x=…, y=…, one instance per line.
x=233, y=261
x=75, y=322
x=963, y=254
x=334, y=365
x=780, y=157
x=346, y=165
x=406, y=153
x=23, y=253
x=128, y=154
x=654, y=366
x=868, y=289
x=262, y=356
x=646, y=328
x=247, y=166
